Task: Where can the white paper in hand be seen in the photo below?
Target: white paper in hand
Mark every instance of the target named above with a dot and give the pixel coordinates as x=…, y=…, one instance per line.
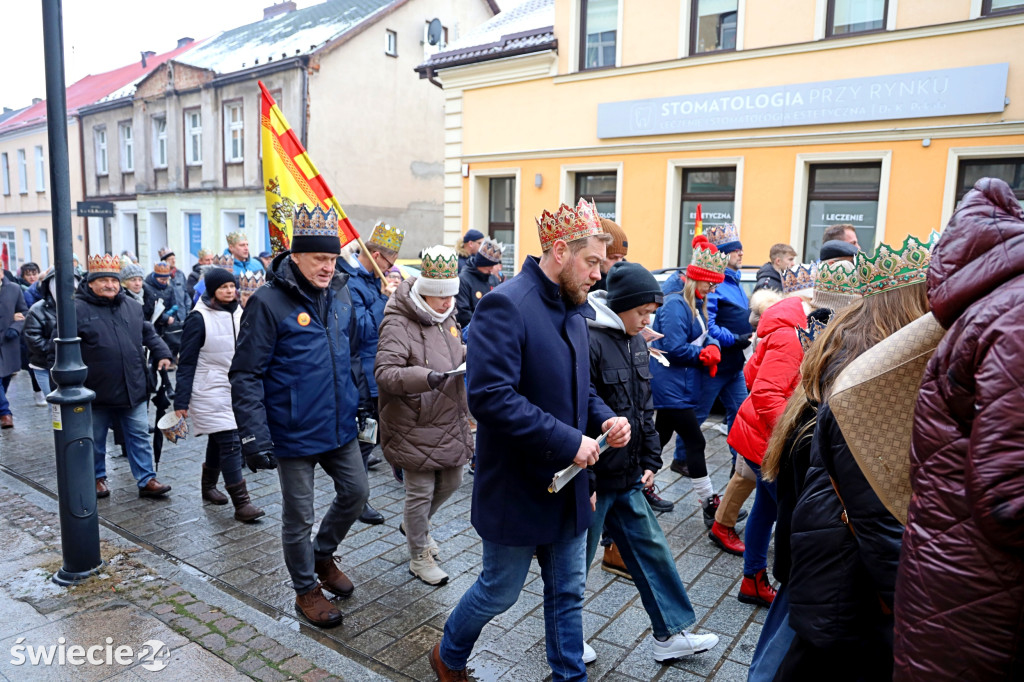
x=563, y=477
x=461, y=369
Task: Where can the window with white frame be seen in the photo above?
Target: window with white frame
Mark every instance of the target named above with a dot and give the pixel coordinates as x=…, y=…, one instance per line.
x=599, y=20
x=44, y=250
x=26, y=244
x=40, y=169
x=390, y=43
x=22, y=172
x=713, y=25
x=233, y=126
x=160, y=142
x=100, y=137
x=193, y=137
x=842, y=193
x=5, y=169
x=1009, y=169
x=845, y=17
x=996, y=7
x=127, y=147
x=712, y=193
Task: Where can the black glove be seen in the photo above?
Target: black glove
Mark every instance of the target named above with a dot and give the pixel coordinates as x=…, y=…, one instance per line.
x=264, y=459
x=434, y=379
x=742, y=341
x=11, y=333
x=362, y=414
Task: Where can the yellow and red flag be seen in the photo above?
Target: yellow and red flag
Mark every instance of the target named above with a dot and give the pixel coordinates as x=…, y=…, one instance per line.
x=699, y=228
x=291, y=179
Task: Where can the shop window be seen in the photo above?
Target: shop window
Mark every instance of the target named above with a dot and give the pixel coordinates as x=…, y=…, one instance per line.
x=715, y=190
x=713, y=25
x=842, y=193
x=599, y=20
x=501, y=218
x=599, y=188
x=845, y=17
x=193, y=138
x=1010, y=170
x=996, y=7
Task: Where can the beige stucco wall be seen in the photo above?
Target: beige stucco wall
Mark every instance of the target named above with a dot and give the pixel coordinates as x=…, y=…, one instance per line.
x=377, y=130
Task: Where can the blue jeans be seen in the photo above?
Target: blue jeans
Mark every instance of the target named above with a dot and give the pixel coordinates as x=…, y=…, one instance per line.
x=732, y=389
x=772, y=645
x=42, y=378
x=631, y=523
x=5, y=407
x=497, y=588
x=134, y=425
x=759, y=526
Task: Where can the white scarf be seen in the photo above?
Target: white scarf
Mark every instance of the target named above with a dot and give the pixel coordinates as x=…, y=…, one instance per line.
x=420, y=303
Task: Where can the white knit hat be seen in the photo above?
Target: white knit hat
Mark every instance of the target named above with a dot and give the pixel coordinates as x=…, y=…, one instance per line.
x=439, y=272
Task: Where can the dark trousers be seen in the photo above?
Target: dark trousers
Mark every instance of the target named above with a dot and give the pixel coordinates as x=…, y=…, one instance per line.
x=869, y=660
x=224, y=452
x=685, y=423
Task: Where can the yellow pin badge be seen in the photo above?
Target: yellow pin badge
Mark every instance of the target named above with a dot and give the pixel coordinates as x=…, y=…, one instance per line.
x=303, y=319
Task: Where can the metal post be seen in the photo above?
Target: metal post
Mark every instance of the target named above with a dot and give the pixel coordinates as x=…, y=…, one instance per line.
x=70, y=403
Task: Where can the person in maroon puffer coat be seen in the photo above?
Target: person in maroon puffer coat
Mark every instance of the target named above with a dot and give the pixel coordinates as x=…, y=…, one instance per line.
x=959, y=603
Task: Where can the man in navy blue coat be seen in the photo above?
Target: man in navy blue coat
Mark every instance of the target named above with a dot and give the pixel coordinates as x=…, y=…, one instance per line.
x=298, y=393
x=530, y=391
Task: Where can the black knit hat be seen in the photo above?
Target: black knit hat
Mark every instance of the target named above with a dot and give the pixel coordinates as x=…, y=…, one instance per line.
x=630, y=285
x=216, y=277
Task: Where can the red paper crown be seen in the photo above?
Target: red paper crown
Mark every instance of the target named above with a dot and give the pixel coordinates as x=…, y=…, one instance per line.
x=161, y=269
x=107, y=264
x=568, y=224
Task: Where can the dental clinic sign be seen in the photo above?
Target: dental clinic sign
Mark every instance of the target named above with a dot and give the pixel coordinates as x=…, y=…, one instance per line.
x=944, y=92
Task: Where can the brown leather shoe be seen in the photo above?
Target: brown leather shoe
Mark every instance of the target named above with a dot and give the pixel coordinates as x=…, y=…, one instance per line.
x=317, y=609
x=101, y=488
x=443, y=672
x=332, y=579
x=154, y=488
x=6, y=421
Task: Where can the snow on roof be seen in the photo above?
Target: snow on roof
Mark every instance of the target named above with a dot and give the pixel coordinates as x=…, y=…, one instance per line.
x=529, y=26
x=294, y=33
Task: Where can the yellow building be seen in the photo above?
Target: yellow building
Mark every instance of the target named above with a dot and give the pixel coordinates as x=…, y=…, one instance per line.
x=783, y=117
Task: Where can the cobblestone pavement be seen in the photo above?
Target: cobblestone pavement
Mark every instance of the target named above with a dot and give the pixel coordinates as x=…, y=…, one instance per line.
x=393, y=619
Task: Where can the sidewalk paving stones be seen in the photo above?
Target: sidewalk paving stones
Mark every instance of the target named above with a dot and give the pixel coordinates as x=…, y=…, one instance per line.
x=391, y=621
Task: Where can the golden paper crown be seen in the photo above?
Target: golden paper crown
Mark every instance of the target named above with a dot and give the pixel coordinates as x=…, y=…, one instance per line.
x=108, y=264
x=720, y=235
x=204, y=253
x=490, y=251
x=387, y=237
x=224, y=261
x=839, y=277
x=799, y=277
x=236, y=236
x=314, y=222
x=249, y=281
x=891, y=269
x=161, y=269
x=439, y=262
x=568, y=224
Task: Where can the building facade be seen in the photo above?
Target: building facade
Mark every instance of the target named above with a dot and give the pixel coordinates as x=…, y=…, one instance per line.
x=782, y=117
x=342, y=73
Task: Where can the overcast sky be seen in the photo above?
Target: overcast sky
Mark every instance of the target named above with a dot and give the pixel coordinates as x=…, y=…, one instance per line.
x=100, y=35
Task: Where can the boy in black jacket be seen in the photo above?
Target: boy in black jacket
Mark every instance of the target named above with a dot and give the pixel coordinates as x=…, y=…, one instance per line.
x=620, y=372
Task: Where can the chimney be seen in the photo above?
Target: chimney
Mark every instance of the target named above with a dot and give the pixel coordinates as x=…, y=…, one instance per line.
x=182, y=42
x=8, y=110
x=278, y=8
x=146, y=55
x=36, y=100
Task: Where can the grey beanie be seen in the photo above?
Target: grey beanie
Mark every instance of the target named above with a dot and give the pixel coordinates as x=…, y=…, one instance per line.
x=131, y=270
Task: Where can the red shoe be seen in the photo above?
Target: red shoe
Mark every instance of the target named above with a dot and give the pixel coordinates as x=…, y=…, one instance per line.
x=727, y=539
x=757, y=589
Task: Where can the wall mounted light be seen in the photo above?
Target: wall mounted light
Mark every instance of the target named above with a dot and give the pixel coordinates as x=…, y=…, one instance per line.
x=538, y=180
x=926, y=142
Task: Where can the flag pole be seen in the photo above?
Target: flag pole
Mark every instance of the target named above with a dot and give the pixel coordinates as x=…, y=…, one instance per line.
x=362, y=246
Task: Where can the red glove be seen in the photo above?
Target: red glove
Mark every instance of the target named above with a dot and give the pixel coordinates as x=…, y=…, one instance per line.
x=711, y=356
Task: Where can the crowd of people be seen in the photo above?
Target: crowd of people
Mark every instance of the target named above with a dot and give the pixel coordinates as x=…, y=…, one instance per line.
x=308, y=360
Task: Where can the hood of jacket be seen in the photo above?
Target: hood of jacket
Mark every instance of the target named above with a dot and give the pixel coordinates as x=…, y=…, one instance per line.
x=401, y=303
x=982, y=247
x=605, y=317
x=87, y=295
x=787, y=313
x=285, y=276
x=43, y=285
x=768, y=271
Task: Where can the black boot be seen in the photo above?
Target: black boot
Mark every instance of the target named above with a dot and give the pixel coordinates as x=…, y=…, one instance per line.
x=209, y=486
x=245, y=510
x=371, y=516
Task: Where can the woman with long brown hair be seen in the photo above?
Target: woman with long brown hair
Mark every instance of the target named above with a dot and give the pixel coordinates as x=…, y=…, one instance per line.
x=844, y=544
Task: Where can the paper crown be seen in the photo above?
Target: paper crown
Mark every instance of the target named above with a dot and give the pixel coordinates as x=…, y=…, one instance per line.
x=204, y=253
x=813, y=331
x=249, y=281
x=707, y=262
x=161, y=269
x=722, y=234
x=314, y=222
x=107, y=264
x=799, y=277
x=237, y=236
x=439, y=262
x=490, y=251
x=839, y=277
x=387, y=237
x=165, y=252
x=892, y=269
x=568, y=224
x=224, y=261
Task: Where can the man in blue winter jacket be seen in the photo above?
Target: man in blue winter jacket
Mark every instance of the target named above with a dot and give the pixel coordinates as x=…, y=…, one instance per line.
x=298, y=394
x=529, y=388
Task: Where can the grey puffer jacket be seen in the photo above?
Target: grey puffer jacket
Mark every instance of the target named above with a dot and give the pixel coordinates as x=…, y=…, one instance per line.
x=422, y=429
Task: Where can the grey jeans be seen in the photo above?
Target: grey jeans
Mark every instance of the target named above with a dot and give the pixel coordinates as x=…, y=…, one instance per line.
x=425, y=492
x=345, y=467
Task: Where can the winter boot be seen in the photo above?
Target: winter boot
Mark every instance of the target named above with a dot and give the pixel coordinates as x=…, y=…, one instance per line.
x=710, y=506
x=426, y=569
x=727, y=539
x=317, y=609
x=757, y=589
x=332, y=578
x=613, y=563
x=209, y=486
x=245, y=510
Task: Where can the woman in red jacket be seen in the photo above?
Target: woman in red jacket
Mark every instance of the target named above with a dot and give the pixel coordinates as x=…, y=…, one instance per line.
x=960, y=585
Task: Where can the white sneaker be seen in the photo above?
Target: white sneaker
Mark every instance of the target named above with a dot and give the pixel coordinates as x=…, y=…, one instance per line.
x=589, y=655
x=426, y=569
x=40, y=399
x=683, y=644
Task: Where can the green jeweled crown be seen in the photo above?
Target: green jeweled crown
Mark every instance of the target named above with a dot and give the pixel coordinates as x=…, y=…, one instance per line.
x=439, y=262
x=891, y=269
x=839, y=277
x=387, y=237
x=706, y=259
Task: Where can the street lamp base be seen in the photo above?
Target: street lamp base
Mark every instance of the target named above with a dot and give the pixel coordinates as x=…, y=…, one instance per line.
x=66, y=578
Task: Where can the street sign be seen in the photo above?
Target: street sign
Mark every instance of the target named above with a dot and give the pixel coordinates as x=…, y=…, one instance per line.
x=95, y=209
